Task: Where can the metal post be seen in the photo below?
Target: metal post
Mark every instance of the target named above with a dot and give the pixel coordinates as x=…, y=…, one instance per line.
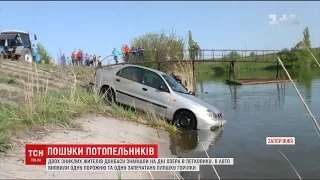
x=242, y=56
x=234, y=71
x=213, y=55
x=222, y=56
x=230, y=71
x=277, y=76
x=245, y=55
x=193, y=77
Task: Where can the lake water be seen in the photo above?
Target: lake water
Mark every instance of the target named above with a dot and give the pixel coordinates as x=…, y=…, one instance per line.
x=254, y=112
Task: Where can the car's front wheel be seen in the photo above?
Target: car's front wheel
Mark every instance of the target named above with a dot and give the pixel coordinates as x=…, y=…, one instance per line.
x=108, y=94
x=185, y=120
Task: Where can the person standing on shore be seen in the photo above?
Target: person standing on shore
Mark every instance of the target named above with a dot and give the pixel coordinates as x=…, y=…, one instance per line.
x=75, y=58
x=87, y=59
x=79, y=57
x=83, y=59
x=99, y=61
x=126, y=53
x=63, y=60
x=134, y=52
x=115, y=53
x=91, y=61
x=141, y=52
x=94, y=60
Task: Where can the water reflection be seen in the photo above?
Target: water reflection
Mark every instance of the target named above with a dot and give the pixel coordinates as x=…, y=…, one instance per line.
x=281, y=92
x=306, y=77
x=276, y=99
x=233, y=91
x=188, y=143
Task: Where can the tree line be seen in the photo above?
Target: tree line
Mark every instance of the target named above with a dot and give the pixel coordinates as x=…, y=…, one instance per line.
x=299, y=55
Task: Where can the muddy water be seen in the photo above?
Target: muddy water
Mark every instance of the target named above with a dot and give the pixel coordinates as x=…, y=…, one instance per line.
x=255, y=112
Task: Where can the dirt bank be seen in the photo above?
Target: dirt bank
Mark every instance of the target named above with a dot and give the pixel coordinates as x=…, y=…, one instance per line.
x=96, y=130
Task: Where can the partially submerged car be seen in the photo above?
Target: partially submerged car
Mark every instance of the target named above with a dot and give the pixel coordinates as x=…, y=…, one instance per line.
x=151, y=90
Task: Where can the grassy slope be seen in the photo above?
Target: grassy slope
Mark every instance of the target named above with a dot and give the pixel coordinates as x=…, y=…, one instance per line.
x=210, y=67
x=39, y=110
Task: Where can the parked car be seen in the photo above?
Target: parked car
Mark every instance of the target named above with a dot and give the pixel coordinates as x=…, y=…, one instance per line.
x=151, y=90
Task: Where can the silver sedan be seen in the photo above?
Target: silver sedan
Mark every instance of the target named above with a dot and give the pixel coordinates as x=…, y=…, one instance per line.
x=151, y=90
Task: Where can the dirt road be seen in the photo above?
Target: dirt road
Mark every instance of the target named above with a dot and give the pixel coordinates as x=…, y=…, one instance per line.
x=96, y=130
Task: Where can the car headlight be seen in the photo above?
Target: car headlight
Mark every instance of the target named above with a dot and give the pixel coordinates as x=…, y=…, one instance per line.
x=211, y=114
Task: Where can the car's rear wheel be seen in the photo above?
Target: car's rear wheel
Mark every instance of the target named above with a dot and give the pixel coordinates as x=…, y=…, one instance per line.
x=185, y=120
x=108, y=94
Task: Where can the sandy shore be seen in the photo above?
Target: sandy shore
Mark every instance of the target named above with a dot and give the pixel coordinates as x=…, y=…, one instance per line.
x=96, y=130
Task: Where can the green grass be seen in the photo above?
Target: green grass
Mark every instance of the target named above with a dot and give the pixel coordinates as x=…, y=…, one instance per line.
x=61, y=108
x=7, y=80
x=43, y=109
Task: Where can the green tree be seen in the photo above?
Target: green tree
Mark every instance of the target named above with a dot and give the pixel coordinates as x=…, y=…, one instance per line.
x=233, y=55
x=45, y=56
x=298, y=55
x=306, y=40
x=252, y=54
x=306, y=37
x=163, y=46
x=190, y=46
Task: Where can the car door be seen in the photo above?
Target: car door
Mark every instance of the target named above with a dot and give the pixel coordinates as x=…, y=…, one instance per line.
x=127, y=84
x=158, y=99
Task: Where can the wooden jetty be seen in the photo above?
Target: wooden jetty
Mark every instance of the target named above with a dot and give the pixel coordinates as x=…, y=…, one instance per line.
x=233, y=80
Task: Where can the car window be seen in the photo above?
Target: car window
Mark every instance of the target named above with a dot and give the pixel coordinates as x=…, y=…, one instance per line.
x=152, y=79
x=131, y=73
x=175, y=86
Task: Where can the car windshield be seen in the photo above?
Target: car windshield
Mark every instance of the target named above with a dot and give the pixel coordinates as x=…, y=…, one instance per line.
x=175, y=86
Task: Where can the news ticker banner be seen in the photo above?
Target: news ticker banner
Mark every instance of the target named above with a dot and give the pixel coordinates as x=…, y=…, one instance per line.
x=129, y=164
x=111, y=157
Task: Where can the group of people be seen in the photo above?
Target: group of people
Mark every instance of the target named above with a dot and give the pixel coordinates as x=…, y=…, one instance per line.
x=78, y=58
x=137, y=53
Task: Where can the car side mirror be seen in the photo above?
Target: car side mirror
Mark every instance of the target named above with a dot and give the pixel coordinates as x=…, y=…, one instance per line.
x=35, y=37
